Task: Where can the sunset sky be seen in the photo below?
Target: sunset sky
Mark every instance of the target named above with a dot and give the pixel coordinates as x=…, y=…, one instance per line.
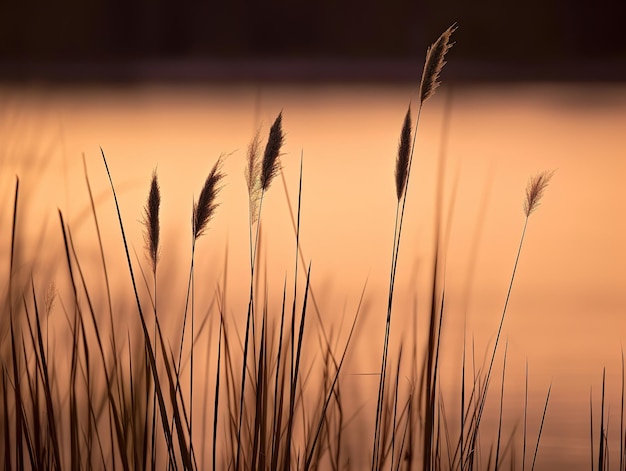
x=529, y=86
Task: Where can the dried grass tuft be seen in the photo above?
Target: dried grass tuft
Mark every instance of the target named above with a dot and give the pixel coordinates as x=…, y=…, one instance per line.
x=534, y=190
x=404, y=152
x=151, y=221
x=271, y=163
x=435, y=60
x=205, y=207
x=252, y=174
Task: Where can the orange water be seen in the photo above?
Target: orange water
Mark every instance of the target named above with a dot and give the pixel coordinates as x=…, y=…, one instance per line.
x=566, y=312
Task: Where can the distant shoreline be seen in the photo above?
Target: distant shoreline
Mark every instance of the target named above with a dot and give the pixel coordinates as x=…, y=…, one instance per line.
x=304, y=70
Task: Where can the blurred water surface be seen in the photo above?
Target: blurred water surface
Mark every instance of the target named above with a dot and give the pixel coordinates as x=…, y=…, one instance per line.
x=566, y=313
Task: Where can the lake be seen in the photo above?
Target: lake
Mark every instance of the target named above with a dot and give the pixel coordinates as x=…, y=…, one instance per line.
x=566, y=314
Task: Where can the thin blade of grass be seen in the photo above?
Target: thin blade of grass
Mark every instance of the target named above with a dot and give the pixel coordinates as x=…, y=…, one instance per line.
x=52, y=425
x=601, y=441
x=497, y=461
x=12, y=255
x=591, y=425
x=181, y=439
x=329, y=396
x=278, y=386
x=7, y=423
x=395, y=409
x=17, y=391
x=621, y=420
x=217, y=395
x=294, y=382
x=69, y=245
x=543, y=417
x=525, y=417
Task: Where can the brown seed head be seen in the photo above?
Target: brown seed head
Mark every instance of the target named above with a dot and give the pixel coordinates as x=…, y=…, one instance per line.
x=404, y=151
x=151, y=221
x=252, y=174
x=205, y=207
x=534, y=190
x=271, y=164
x=435, y=60
x=50, y=297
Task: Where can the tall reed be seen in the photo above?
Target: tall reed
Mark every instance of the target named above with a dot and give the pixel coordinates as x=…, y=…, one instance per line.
x=202, y=213
x=534, y=192
x=152, y=229
x=259, y=176
x=435, y=60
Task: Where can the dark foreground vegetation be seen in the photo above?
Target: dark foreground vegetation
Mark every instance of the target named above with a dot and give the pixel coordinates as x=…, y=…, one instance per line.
x=93, y=399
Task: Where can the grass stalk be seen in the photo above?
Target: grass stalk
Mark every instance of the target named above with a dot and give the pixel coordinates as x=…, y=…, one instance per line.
x=184, y=451
x=622, y=445
x=534, y=192
x=525, y=418
x=601, y=454
x=217, y=396
x=430, y=80
x=497, y=460
x=543, y=417
x=260, y=175
x=312, y=447
x=294, y=381
x=591, y=426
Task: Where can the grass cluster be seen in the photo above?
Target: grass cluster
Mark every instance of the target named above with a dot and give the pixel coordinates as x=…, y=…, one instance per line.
x=95, y=400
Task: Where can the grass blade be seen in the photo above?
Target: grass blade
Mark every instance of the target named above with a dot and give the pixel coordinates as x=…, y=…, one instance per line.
x=543, y=417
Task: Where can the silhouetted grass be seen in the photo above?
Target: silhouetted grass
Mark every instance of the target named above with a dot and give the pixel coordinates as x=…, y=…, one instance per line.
x=97, y=401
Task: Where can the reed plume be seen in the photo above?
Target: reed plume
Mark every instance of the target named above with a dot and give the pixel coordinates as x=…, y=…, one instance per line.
x=534, y=190
x=435, y=60
x=271, y=164
x=252, y=174
x=151, y=221
x=205, y=207
x=404, y=152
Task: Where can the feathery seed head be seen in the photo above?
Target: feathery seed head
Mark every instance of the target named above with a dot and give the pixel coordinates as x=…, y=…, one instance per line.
x=404, y=151
x=435, y=60
x=271, y=164
x=151, y=221
x=205, y=207
x=50, y=297
x=534, y=190
x=252, y=174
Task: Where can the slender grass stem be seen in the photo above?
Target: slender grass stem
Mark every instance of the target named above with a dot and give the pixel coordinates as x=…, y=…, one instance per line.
x=184, y=450
x=506, y=303
x=392, y=277
x=525, y=418
x=601, y=454
x=497, y=460
x=249, y=316
x=543, y=417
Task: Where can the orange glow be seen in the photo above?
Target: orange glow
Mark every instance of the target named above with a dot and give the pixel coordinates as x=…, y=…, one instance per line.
x=566, y=313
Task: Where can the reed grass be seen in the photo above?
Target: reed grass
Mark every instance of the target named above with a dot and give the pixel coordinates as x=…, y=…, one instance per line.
x=152, y=234
x=122, y=403
x=152, y=222
x=259, y=176
x=435, y=60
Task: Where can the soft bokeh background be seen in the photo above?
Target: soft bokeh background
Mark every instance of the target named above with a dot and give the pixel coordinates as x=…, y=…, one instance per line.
x=104, y=40
x=529, y=88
